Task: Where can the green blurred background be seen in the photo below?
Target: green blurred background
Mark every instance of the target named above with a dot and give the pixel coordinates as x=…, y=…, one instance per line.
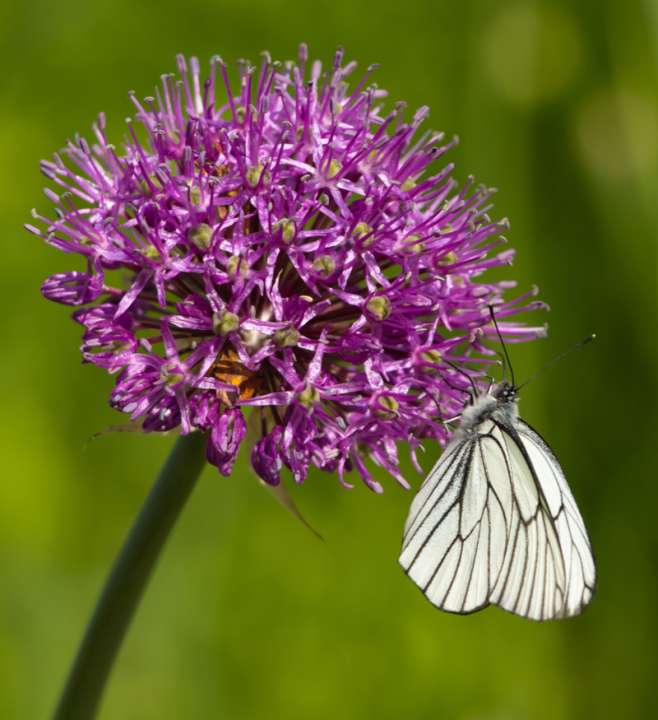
x=248, y=616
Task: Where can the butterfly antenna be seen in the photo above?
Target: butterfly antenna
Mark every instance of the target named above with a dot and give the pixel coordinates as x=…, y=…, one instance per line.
x=561, y=356
x=508, y=362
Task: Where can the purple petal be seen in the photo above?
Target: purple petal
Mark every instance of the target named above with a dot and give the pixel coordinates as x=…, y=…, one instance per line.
x=224, y=440
x=72, y=288
x=266, y=458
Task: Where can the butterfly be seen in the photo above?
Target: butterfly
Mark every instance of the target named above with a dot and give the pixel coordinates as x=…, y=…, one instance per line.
x=495, y=523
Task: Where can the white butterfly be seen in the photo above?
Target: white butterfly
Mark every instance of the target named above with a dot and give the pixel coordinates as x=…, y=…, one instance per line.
x=495, y=521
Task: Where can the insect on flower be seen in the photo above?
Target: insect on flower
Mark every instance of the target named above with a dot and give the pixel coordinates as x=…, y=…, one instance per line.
x=284, y=246
x=495, y=521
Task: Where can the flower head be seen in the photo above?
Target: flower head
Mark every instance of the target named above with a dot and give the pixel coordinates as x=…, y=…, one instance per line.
x=286, y=246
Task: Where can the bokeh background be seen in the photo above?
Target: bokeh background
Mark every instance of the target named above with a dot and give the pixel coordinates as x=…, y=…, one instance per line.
x=249, y=616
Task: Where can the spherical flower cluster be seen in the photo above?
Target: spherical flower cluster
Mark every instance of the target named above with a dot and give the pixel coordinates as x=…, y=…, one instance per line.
x=288, y=249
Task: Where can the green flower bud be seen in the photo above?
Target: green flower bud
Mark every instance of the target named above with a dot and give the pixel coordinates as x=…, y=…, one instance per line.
x=387, y=406
x=288, y=230
x=361, y=229
x=225, y=323
x=150, y=252
x=308, y=396
x=448, y=259
x=195, y=195
x=334, y=168
x=200, y=235
x=432, y=356
x=379, y=306
x=289, y=337
x=324, y=265
x=254, y=175
x=237, y=266
x=170, y=378
x=412, y=244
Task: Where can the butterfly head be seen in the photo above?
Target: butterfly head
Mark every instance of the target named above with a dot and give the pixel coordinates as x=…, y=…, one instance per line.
x=505, y=393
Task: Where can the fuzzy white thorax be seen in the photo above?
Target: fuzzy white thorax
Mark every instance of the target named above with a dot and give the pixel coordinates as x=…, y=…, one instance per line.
x=486, y=406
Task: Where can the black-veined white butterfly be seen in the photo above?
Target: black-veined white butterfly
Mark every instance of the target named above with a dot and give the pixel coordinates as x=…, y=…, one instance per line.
x=495, y=521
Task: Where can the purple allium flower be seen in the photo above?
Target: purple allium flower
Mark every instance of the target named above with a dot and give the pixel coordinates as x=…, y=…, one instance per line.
x=287, y=247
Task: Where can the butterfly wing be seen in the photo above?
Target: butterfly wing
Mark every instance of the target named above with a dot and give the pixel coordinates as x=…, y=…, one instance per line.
x=551, y=565
x=495, y=523
x=455, y=537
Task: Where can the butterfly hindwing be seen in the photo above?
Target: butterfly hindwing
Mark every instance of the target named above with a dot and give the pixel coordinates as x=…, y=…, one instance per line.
x=578, y=559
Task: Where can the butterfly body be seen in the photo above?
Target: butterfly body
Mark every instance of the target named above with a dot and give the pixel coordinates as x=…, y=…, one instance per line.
x=500, y=403
x=495, y=521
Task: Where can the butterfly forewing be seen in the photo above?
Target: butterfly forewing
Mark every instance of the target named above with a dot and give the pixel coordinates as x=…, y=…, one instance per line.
x=431, y=496
x=495, y=522
x=436, y=505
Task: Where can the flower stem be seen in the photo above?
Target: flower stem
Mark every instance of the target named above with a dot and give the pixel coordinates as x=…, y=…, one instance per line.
x=128, y=578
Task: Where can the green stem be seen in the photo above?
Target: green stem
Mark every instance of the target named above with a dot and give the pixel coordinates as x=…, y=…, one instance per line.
x=129, y=576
